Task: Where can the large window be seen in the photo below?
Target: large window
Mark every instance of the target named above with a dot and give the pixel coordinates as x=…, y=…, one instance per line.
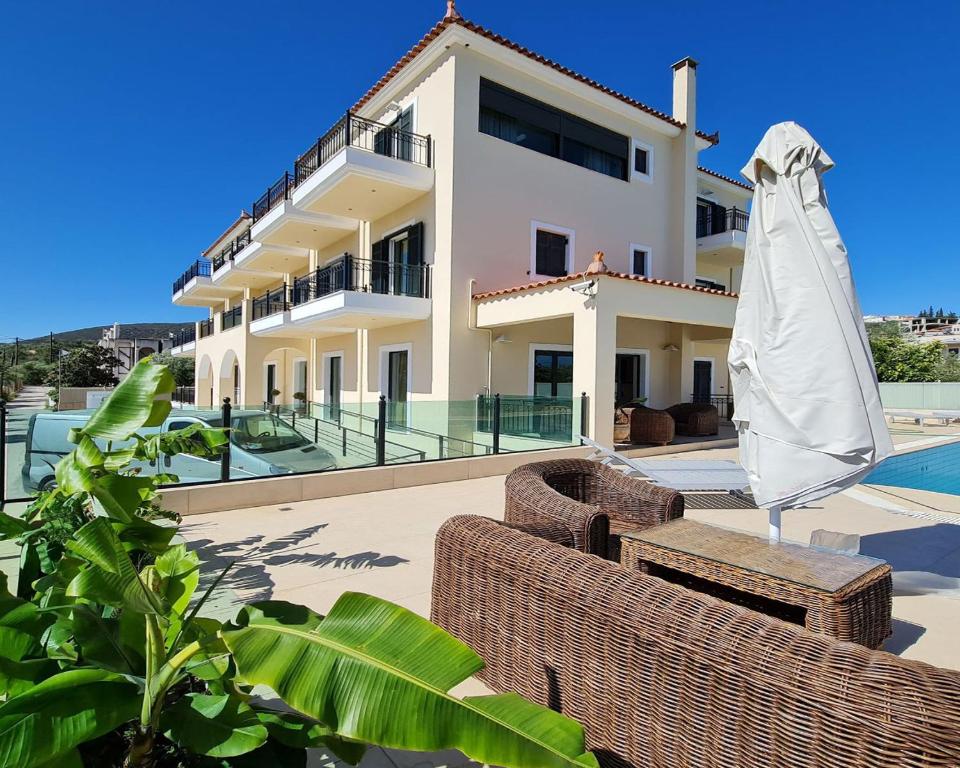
x=529, y=123
x=552, y=373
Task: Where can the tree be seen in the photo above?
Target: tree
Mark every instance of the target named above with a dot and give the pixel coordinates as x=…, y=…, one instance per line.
x=899, y=360
x=182, y=368
x=87, y=365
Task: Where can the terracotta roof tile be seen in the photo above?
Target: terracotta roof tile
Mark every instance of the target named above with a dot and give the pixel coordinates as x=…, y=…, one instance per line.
x=501, y=40
x=727, y=179
x=584, y=276
x=216, y=243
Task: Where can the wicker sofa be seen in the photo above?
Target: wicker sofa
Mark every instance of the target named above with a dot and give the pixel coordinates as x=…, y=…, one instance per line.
x=696, y=419
x=596, y=503
x=664, y=677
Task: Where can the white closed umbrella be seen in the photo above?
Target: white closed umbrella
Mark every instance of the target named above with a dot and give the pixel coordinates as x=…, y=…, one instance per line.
x=808, y=409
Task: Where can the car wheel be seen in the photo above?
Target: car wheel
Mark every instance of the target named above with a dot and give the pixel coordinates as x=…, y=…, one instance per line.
x=48, y=484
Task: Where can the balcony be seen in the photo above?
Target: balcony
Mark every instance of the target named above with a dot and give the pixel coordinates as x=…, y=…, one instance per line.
x=362, y=169
x=343, y=296
x=206, y=327
x=231, y=318
x=194, y=288
x=284, y=232
x=184, y=343
x=721, y=235
x=243, y=263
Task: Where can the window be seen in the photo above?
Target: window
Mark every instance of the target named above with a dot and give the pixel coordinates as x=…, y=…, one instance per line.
x=551, y=372
x=640, y=260
x=704, y=282
x=551, y=253
x=641, y=161
x=513, y=117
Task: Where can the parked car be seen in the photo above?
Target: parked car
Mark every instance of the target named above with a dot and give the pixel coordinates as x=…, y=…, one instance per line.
x=261, y=444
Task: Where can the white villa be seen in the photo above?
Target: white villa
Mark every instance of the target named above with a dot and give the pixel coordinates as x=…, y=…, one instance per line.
x=435, y=245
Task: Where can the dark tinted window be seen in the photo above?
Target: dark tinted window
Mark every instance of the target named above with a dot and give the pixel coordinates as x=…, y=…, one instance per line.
x=640, y=263
x=513, y=117
x=551, y=254
x=640, y=160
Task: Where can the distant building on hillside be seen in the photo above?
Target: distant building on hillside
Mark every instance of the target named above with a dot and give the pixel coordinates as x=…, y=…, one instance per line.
x=127, y=349
x=924, y=329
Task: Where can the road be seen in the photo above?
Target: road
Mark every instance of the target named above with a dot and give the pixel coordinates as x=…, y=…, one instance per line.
x=28, y=402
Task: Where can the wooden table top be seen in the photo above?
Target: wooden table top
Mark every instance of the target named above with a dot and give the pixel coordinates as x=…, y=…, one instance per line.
x=814, y=567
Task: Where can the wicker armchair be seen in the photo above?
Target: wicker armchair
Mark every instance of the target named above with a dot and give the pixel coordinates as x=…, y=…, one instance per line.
x=666, y=677
x=595, y=503
x=648, y=425
x=697, y=419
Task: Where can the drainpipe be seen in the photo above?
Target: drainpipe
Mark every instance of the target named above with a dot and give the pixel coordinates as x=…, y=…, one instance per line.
x=472, y=325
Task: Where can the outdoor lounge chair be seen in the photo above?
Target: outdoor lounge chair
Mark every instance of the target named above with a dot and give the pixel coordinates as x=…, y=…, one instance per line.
x=695, y=419
x=946, y=416
x=595, y=502
x=648, y=425
x=666, y=677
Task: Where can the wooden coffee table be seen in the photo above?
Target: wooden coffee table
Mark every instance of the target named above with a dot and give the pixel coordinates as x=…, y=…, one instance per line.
x=849, y=597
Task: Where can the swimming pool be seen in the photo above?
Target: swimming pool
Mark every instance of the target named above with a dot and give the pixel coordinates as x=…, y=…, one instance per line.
x=932, y=469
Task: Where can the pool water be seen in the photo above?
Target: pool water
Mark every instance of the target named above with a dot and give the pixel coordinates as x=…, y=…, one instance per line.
x=933, y=469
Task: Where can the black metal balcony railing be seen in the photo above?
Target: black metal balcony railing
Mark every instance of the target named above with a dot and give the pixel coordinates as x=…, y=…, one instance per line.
x=275, y=194
x=231, y=249
x=713, y=221
x=363, y=275
x=231, y=318
x=184, y=336
x=353, y=131
x=271, y=302
x=206, y=328
x=199, y=268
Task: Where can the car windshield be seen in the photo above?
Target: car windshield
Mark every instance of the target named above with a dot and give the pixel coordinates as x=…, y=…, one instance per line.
x=265, y=433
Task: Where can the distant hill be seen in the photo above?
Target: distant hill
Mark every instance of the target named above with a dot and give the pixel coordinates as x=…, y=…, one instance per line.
x=127, y=331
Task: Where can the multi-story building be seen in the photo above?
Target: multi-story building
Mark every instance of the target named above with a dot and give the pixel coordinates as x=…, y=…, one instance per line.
x=436, y=244
x=127, y=349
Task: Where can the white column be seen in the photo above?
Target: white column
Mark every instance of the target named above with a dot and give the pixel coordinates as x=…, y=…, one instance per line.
x=594, y=365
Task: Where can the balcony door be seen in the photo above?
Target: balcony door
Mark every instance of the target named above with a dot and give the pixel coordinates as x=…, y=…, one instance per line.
x=395, y=384
x=631, y=376
x=270, y=376
x=397, y=263
x=552, y=372
x=702, y=379
x=332, y=384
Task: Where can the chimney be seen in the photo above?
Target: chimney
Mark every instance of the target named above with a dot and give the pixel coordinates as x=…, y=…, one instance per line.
x=685, y=221
x=685, y=92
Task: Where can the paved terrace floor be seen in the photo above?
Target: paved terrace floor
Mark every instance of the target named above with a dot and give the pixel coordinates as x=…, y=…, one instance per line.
x=382, y=543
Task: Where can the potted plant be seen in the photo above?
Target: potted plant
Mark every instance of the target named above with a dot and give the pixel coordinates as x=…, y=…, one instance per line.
x=621, y=419
x=301, y=399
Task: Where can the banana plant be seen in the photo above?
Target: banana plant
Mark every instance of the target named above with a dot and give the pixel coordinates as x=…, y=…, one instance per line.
x=112, y=662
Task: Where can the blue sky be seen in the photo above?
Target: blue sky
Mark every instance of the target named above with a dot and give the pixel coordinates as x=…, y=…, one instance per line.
x=134, y=132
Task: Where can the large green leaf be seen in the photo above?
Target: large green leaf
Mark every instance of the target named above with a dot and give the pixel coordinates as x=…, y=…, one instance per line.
x=298, y=732
x=19, y=676
x=49, y=720
x=219, y=726
x=375, y=672
x=179, y=571
x=133, y=404
x=109, y=576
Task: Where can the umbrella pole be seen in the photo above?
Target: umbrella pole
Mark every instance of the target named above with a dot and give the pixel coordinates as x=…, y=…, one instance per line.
x=774, y=523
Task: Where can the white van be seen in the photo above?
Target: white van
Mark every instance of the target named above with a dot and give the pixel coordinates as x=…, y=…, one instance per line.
x=260, y=445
